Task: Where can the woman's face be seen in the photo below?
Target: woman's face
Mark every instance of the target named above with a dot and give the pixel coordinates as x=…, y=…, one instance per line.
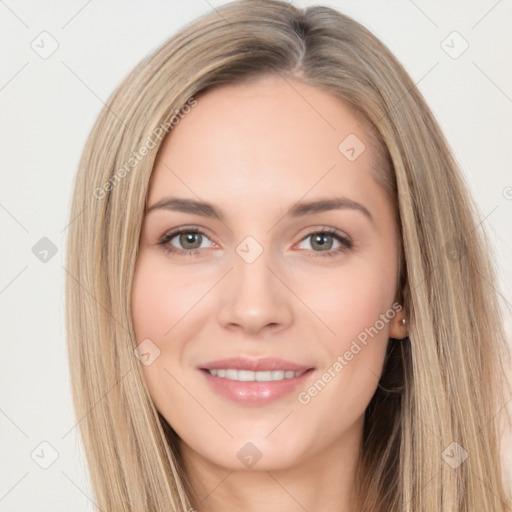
x=287, y=263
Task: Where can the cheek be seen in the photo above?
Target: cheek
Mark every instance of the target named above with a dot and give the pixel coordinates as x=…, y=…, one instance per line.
x=156, y=311
x=160, y=297
x=353, y=308
x=350, y=300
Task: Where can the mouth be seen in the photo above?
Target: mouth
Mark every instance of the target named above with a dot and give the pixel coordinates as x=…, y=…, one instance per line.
x=255, y=382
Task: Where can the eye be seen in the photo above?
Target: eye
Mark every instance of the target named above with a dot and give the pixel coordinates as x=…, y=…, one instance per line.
x=322, y=242
x=187, y=241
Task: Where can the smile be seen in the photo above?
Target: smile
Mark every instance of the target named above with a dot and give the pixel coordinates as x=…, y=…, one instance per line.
x=255, y=382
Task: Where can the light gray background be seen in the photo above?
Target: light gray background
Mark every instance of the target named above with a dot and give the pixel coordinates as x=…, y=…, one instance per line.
x=48, y=107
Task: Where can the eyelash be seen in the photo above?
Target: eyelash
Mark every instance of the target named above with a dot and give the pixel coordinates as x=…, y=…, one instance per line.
x=346, y=243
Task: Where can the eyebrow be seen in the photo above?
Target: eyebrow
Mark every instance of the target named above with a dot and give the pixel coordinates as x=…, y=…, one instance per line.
x=298, y=210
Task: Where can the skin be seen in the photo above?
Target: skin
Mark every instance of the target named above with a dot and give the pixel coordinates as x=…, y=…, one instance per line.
x=253, y=150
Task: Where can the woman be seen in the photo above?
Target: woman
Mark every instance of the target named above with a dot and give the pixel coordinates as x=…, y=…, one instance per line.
x=330, y=340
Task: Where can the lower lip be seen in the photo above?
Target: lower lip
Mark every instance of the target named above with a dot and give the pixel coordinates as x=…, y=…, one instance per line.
x=255, y=393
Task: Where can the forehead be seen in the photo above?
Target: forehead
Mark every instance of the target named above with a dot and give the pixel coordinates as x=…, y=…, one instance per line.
x=266, y=137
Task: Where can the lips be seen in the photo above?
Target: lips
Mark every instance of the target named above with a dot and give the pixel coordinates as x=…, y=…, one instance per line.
x=229, y=378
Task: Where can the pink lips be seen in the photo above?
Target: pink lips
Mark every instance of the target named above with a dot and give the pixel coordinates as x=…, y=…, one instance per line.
x=254, y=393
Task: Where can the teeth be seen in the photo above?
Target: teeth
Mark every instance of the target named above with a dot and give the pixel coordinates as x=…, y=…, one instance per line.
x=250, y=376
x=263, y=376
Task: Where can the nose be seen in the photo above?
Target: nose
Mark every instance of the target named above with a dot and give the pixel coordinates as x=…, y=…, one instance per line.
x=253, y=299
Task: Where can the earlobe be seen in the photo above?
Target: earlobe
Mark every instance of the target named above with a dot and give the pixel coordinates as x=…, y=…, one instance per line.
x=399, y=327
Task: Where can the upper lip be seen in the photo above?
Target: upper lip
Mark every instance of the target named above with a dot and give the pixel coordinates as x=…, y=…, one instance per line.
x=255, y=365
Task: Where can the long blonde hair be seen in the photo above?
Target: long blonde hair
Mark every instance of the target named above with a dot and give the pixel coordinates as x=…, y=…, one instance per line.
x=441, y=385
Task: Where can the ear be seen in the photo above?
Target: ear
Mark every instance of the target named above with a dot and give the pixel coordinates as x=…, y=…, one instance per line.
x=399, y=324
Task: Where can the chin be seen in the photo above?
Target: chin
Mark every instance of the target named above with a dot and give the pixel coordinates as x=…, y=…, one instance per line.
x=255, y=453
